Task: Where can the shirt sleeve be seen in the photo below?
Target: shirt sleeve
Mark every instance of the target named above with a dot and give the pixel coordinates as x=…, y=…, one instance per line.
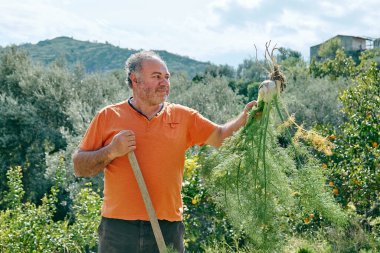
x=200, y=129
x=93, y=138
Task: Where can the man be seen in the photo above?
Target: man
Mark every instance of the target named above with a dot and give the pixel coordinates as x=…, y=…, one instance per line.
x=159, y=133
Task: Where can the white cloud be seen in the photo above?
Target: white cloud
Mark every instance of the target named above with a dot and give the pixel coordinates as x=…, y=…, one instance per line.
x=250, y=3
x=345, y=8
x=30, y=20
x=225, y=4
x=333, y=9
x=199, y=29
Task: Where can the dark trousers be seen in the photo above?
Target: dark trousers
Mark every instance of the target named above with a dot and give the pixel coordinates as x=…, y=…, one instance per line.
x=125, y=236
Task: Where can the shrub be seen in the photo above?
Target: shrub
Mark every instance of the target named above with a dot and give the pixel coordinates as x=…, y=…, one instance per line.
x=27, y=227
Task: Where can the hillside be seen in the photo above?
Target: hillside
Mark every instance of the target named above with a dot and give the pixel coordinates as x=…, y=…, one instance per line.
x=96, y=56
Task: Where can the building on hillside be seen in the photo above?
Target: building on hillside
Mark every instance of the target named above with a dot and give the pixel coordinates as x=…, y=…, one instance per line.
x=376, y=43
x=349, y=44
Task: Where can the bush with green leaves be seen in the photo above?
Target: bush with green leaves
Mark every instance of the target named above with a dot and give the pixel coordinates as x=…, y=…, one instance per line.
x=44, y=110
x=211, y=96
x=27, y=227
x=353, y=170
x=206, y=223
x=354, y=167
x=328, y=50
x=339, y=66
x=267, y=188
x=304, y=100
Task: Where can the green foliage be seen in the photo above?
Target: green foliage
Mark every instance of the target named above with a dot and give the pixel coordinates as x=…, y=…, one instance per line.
x=264, y=187
x=43, y=110
x=351, y=238
x=314, y=244
x=329, y=48
x=245, y=88
x=314, y=99
x=371, y=55
x=27, y=227
x=340, y=66
x=253, y=70
x=222, y=247
x=292, y=65
x=16, y=192
x=216, y=71
x=288, y=55
x=354, y=167
x=250, y=74
x=205, y=222
x=211, y=96
x=25, y=133
x=352, y=171
x=303, y=99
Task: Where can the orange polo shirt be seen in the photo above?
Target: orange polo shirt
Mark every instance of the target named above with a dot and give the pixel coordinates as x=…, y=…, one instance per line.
x=160, y=150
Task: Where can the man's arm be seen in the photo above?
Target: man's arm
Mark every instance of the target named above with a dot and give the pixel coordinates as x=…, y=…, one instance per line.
x=223, y=131
x=91, y=163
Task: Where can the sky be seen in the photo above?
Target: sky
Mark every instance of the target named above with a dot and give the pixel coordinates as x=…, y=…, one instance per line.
x=216, y=31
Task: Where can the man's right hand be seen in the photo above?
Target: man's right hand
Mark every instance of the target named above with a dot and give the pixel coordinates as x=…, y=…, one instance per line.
x=122, y=143
x=91, y=162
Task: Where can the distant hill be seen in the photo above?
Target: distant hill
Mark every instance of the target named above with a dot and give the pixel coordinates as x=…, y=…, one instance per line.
x=102, y=56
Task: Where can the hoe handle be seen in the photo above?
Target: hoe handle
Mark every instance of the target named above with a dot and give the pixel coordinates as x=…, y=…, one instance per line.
x=148, y=203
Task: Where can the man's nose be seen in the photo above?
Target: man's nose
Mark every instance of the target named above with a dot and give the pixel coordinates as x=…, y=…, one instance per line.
x=165, y=81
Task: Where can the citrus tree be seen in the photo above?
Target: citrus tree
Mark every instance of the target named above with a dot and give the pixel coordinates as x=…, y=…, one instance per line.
x=339, y=66
x=355, y=164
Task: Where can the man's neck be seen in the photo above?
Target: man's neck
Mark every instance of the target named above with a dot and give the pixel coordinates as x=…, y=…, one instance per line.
x=149, y=111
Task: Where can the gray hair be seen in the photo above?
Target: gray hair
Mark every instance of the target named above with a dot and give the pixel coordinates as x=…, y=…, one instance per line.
x=135, y=61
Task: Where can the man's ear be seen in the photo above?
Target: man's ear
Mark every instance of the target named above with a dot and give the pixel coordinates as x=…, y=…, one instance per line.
x=133, y=78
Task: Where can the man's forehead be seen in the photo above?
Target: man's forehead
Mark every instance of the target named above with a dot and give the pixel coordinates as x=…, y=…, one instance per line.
x=154, y=65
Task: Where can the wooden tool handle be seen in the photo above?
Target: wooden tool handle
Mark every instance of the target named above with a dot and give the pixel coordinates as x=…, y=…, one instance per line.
x=148, y=203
